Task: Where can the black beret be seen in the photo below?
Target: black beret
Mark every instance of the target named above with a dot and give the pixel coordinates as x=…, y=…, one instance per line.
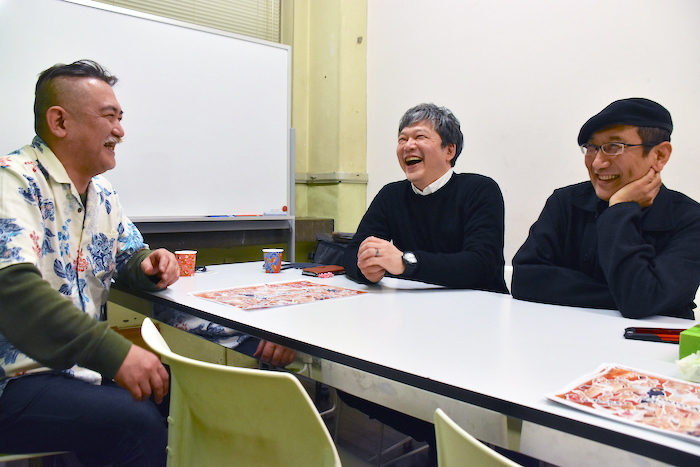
x=635, y=111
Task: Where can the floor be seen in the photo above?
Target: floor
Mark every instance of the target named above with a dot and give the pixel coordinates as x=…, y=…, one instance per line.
x=358, y=439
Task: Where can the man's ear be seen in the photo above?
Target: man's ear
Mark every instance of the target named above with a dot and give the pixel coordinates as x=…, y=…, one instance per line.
x=451, y=151
x=56, y=121
x=660, y=153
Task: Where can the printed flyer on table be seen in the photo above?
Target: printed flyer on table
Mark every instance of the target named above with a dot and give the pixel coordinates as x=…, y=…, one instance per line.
x=277, y=294
x=667, y=405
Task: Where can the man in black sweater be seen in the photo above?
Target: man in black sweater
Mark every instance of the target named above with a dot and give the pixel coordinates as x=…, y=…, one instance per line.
x=436, y=226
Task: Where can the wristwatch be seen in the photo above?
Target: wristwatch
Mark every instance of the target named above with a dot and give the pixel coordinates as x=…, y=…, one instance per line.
x=410, y=261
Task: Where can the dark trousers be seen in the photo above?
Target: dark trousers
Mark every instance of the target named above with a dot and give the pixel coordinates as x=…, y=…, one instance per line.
x=248, y=346
x=101, y=425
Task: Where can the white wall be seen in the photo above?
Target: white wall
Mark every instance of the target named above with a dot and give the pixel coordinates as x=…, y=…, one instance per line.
x=522, y=77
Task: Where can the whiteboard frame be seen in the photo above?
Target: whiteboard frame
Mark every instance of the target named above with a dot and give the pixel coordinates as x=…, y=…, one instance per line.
x=285, y=183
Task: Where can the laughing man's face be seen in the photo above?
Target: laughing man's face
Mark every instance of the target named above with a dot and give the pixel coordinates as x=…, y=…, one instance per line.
x=421, y=155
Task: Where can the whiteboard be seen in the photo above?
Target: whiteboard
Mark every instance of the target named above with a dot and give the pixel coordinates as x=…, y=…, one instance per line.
x=206, y=114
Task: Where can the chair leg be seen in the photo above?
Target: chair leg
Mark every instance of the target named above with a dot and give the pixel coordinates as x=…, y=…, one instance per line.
x=332, y=395
x=406, y=443
x=406, y=455
x=381, y=444
x=336, y=420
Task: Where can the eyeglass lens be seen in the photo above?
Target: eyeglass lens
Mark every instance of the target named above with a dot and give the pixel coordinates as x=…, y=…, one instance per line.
x=611, y=149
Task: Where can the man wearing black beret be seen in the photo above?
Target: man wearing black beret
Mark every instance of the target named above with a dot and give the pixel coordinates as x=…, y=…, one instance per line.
x=623, y=240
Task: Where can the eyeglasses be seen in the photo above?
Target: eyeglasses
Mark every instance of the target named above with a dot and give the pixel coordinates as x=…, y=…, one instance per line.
x=611, y=149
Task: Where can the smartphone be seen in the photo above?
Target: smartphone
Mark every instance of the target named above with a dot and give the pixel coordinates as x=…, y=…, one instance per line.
x=671, y=336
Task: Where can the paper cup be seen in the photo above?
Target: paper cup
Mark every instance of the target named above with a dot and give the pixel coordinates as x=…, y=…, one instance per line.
x=186, y=260
x=273, y=259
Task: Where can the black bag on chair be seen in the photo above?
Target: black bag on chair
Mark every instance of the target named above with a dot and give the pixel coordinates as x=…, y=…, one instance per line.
x=330, y=249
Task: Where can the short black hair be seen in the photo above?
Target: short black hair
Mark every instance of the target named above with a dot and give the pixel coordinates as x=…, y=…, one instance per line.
x=443, y=120
x=45, y=95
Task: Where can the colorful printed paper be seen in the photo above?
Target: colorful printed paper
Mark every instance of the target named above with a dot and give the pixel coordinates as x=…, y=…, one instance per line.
x=663, y=404
x=278, y=294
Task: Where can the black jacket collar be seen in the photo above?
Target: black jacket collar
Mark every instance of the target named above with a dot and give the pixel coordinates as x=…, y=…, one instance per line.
x=657, y=217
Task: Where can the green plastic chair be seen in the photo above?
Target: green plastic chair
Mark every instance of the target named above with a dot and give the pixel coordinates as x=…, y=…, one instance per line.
x=222, y=415
x=457, y=447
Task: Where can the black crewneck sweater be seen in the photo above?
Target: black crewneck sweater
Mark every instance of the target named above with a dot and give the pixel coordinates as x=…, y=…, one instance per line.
x=456, y=233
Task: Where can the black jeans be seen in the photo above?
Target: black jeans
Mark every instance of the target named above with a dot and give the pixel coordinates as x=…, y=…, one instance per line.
x=101, y=425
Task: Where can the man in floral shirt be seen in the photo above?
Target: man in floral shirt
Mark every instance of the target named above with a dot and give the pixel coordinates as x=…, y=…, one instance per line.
x=63, y=238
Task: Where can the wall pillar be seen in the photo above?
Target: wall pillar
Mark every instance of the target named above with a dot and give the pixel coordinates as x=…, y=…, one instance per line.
x=329, y=106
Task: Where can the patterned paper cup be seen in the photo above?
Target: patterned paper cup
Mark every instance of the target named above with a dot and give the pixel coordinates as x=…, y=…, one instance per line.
x=186, y=260
x=273, y=259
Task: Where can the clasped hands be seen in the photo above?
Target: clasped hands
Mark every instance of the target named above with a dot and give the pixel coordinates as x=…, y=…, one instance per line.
x=376, y=257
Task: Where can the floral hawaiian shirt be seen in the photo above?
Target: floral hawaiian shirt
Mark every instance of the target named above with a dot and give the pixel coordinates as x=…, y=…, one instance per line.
x=77, y=248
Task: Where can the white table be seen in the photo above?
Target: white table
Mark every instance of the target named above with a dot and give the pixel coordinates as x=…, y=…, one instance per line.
x=481, y=348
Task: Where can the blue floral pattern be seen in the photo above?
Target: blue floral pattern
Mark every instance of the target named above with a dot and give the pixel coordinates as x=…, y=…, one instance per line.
x=104, y=199
x=7, y=351
x=8, y=230
x=212, y=332
x=130, y=241
x=46, y=226
x=46, y=247
x=101, y=252
x=32, y=195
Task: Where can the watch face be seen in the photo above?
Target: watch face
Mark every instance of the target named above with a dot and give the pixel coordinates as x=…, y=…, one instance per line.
x=410, y=258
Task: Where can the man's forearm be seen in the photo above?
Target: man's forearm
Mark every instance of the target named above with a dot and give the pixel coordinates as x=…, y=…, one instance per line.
x=647, y=279
x=545, y=283
x=132, y=276
x=47, y=327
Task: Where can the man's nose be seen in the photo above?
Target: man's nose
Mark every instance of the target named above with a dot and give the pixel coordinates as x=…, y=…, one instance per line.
x=118, y=130
x=601, y=160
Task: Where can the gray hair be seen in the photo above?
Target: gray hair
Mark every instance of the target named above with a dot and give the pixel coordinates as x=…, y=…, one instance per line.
x=443, y=121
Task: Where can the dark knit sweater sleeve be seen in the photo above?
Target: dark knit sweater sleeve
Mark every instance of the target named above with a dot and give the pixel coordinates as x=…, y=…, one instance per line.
x=540, y=269
x=47, y=327
x=646, y=280
x=132, y=275
x=373, y=223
